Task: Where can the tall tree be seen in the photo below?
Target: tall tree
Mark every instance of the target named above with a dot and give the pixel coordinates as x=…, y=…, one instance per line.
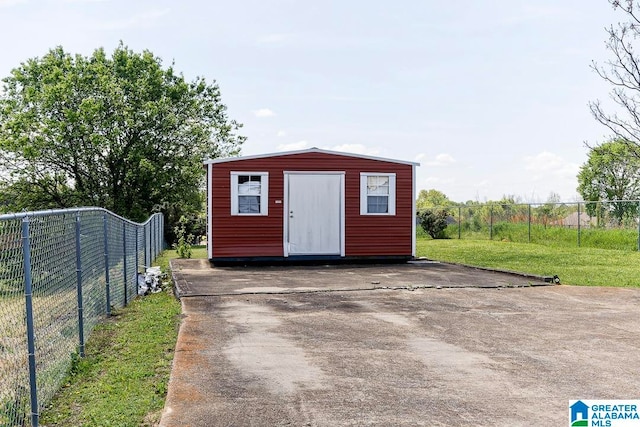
x=120, y=131
x=432, y=198
x=611, y=172
x=623, y=73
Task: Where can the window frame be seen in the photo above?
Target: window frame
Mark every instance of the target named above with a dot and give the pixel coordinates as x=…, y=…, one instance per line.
x=264, y=193
x=391, y=207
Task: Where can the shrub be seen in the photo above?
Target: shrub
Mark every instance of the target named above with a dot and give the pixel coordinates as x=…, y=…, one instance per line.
x=184, y=242
x=434, y=222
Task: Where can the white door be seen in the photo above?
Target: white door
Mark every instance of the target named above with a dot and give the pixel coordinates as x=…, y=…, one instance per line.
x=314, y=214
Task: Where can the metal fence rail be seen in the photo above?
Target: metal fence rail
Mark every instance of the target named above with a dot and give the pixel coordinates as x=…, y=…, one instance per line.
x=61, y=272
x=613, y=224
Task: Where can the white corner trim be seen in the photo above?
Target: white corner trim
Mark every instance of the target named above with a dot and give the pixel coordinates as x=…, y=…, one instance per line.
x=210, y=210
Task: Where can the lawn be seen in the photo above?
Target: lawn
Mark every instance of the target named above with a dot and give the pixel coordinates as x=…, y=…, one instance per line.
x=574, y=265
x=122, y=381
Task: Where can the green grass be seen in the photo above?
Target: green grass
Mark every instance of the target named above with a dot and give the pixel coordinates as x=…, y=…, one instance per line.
x=590, y=237
x=122, y=381
x=574, y=265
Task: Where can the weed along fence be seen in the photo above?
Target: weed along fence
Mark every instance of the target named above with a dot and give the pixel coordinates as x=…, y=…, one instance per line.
x=609, y=225
x=61, y=272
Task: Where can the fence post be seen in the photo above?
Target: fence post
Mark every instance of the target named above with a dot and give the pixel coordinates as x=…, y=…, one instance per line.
x=459, y=221
x=578, y=224
x=491, y=223
x=529, y=222
x=28, y=297
x=144, y=246
x=79, y=287
x=160, y=233
x=638, y=226
x=152, y=237
x=124, y=259
x=136, y=263
x=105, y=222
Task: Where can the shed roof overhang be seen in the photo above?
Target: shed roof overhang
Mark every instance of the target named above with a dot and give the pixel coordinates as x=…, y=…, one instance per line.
x=307, y=151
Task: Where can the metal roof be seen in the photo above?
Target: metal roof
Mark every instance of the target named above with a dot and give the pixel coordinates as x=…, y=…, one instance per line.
x=309, y=150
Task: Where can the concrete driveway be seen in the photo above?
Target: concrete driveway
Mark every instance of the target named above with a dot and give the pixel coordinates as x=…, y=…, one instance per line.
x=404, y=345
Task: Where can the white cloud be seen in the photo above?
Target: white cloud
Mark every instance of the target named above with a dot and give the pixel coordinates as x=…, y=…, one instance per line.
x=483, y=183
x=141, y=20
x=547, y=172
x=442, y=159
x=432, y=181
x=83, y=1
x=264, y=112
x=294, y=146
x=281, y=133
x=8, y=3
x=547, y=163
x=272, y=38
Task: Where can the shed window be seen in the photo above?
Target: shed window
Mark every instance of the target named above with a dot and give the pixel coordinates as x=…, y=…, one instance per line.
x=249, y=193
x=377, y=193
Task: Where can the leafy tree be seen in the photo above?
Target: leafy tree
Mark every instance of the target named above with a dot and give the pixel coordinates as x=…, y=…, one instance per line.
x=118, y=131
x=434, y=222
x=623, y=73
x=612, y=172
x=431, y=198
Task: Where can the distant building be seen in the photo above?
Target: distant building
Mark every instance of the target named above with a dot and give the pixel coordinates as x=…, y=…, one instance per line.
x=571, y=221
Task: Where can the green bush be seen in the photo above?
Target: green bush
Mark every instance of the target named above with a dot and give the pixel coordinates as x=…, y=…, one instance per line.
x=183, y=247
x=434, y=222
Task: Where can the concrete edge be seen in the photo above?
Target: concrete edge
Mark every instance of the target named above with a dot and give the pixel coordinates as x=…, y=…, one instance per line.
x=177, y=279
x=167, y=409
x=547, y=280
x=369, y=289
x=180, y=283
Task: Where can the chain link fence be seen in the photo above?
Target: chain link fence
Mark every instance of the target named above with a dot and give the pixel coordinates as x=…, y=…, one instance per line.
x=61, y=272
x=608, y=225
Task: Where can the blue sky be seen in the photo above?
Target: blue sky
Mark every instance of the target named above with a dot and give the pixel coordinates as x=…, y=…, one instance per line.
x=491, y=97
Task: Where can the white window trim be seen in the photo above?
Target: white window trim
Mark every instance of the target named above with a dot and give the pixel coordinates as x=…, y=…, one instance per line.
x=264, y=193
x=363, y=193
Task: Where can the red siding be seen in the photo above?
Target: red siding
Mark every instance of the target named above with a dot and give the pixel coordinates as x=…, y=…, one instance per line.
x=366, y=235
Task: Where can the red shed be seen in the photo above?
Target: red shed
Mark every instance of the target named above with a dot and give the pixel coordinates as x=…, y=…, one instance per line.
x=310, y=205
